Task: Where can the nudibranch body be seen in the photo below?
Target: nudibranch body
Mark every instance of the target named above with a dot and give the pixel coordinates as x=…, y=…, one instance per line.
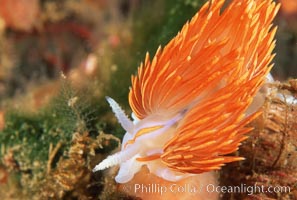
x=189, y=103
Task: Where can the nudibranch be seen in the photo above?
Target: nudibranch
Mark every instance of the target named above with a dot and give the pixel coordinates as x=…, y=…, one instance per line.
x=189, y=102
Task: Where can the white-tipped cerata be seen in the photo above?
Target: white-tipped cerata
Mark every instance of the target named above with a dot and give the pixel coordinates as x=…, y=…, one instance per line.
x=126, y=123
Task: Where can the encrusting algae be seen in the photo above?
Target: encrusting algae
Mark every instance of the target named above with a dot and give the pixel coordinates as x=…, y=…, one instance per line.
x=189, y=103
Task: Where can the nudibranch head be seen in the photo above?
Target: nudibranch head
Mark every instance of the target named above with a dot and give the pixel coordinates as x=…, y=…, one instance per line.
x=189, y=103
